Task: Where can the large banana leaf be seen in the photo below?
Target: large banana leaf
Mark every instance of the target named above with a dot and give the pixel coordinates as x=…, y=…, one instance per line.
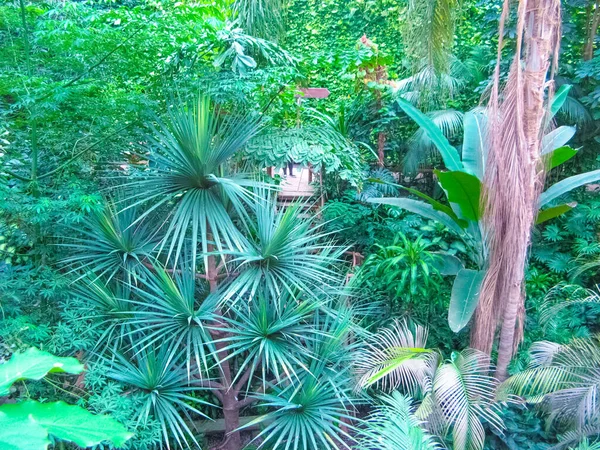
x=423, y=209
x=449, y=154
x=557, y=138
x=474, y=145
x=559, y=156
x=553, y=212
x=464, y=298
x=463, y=189
x=567, y=185
x=559, y=99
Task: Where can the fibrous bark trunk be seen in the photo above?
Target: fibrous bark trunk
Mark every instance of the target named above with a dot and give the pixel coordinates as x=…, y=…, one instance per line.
x=514, y=176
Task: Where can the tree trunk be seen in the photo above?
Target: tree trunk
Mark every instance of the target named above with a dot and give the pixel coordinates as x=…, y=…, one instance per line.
x=231, y=410
x=231, y=414
x=592, y=30
x=514, y=178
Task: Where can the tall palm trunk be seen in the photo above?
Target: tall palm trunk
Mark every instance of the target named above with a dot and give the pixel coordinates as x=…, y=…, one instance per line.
x=514, y=176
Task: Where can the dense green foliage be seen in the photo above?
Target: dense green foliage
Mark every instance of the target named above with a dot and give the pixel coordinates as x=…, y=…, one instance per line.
x=143, y=235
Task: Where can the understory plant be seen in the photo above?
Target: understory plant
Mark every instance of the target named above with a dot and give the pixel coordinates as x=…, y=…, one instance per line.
x=455, y=398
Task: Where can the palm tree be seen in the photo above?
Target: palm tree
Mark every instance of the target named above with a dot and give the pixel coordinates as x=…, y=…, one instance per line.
x=270, y=327
x=457, y=396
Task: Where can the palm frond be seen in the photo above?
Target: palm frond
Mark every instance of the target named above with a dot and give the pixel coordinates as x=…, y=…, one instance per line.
x=164, y=388
x=269, y=336
x=397, y=357
x=393, y=426
x=189, y=156
x=113, y=242
x=564, y=380
x=308, y=415
x=465, y=395
x=171, y=311
x=261, y=18
x=286, y=253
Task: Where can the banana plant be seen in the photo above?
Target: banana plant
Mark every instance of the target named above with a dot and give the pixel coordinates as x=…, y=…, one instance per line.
x=462, y=184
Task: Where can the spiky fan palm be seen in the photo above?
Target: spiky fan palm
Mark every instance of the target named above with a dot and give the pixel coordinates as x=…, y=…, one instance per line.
x=190, y=155
x=286, y=254
x=113, y=243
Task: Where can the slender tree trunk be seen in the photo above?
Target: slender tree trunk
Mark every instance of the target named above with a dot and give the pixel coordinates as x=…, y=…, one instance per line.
x=231, y=408
x=592, y=30
x=380, y=74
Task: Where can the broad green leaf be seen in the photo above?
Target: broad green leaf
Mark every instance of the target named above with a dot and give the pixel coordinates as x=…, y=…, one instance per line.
x=464, y=298
x=449, y=154
x=474, y=145
x=559, y=156
x=14, y=428
x=421, y=208
x=567, y=185
x=557, y=138
x=436, y=205
x=34, y=364
x=463, y=189
x=447, y=264
x=559, y=99
x=66, y=422
x=553, y=212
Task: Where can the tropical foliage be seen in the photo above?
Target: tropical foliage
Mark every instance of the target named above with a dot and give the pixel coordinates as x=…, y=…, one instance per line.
x=439, y=192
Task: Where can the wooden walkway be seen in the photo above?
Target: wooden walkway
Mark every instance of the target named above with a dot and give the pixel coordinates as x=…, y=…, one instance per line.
x=296, y=187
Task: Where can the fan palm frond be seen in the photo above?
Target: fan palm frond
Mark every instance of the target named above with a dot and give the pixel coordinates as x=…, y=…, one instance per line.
x=269, y=336
x=164, y=389
x=287, y=253
x=109, y=306
x=575, y=112
x=396, y=356
x=114, y=242
x=171, y=312
x=307, y=415
x=189, y=156
x=394, y=426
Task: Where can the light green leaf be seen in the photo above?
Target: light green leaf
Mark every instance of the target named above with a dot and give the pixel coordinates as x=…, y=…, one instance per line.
x=34, y=364
x=464, y=298
x=474, y=145
x=463, y=189
x=66, y=422
x=449, y=154
x=447, y=264
x=421, y=208
x=559, y=156
x=557, y=138
x=555, y=211
x=567, y=185
x=559, y=99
